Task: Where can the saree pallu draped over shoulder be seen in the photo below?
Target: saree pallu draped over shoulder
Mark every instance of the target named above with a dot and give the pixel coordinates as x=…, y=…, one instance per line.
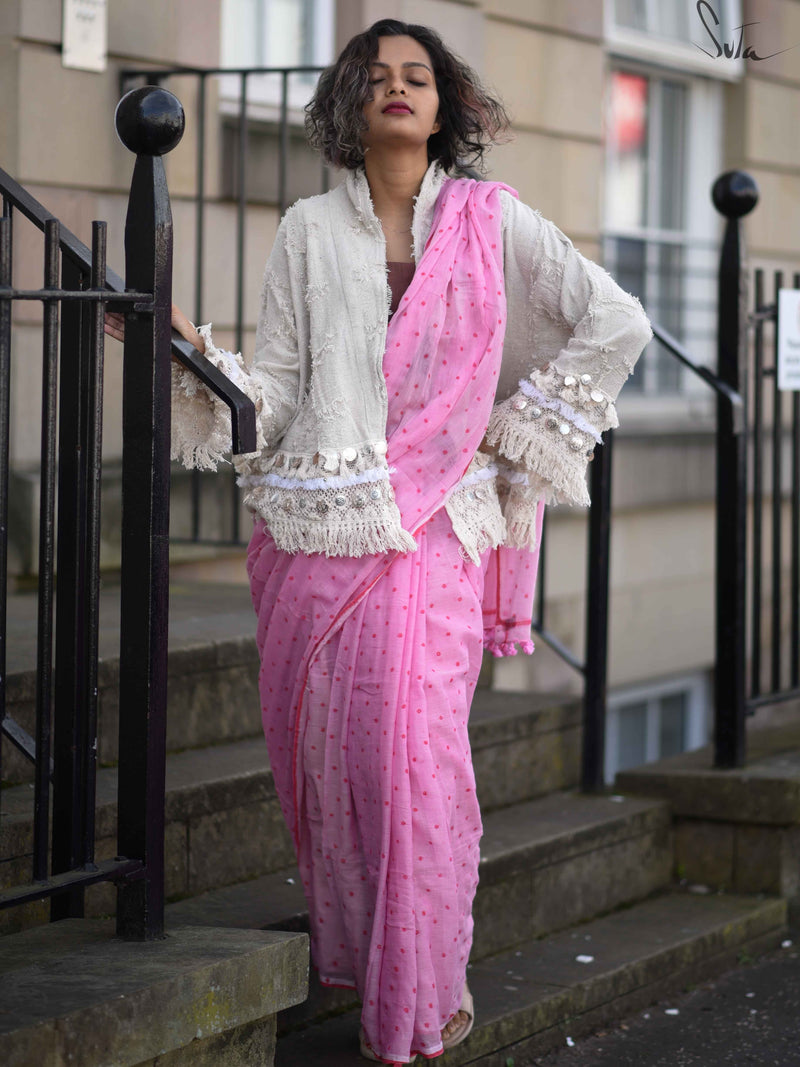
x=369, y=664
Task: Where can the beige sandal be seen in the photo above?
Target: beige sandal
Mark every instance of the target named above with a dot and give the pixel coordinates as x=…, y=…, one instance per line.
x=462, y=1027
x=369, y=1053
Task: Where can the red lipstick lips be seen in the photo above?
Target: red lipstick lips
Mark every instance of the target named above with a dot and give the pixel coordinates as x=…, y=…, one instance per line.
x=398, y=106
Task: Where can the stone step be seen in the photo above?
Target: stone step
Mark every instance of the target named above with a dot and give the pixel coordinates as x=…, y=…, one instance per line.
x=530, y=999
x=212, y=671
x=74, y=993
x=736, y=828
x=545, y=864
x=525, y=744
x=223, y=820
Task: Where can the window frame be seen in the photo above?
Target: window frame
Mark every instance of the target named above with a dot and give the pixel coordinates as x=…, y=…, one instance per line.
x=697, y=687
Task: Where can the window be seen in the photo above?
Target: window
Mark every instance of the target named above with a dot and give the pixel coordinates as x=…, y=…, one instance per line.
x=653, y=722
x=664, y=130
x=274, y=33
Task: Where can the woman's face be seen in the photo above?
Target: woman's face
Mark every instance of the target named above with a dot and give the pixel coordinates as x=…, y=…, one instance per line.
x=404, y=108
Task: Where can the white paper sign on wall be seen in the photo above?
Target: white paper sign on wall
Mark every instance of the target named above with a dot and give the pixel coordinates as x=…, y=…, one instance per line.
x=85, y=34
x=789, y=338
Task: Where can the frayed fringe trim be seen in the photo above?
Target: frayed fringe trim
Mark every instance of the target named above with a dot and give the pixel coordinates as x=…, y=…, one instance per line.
x=522, y=535
x=500, y=649
x=478, y=525
x=560, y=471
x=350, y=541
x=199, y=457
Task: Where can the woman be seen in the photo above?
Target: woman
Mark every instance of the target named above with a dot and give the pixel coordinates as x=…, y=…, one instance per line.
x=390, y=544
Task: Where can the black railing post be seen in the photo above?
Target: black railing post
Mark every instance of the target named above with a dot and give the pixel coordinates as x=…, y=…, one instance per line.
x=597, y=604
x=149, y=122
x=734, y=195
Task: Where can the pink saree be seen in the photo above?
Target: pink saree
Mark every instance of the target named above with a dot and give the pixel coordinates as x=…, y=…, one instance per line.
x=368, y=665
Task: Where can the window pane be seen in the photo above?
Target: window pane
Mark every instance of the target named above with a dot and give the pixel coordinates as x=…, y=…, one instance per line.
x=662, y=18
x=287, y=40
x=631, y=13
x=240, y=33
x=627, y=264
x=672, y=731
x=673, y=18
x=669, y=313
x=632, y=735
x=627, y=140
x=672, y=162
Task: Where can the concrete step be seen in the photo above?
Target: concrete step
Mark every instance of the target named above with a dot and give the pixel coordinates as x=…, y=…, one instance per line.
x=223, y=820
x=73, y=993
x=739, y=828
x=545, y=864
x=524, y=744
x=212, y=673
x=530, y=999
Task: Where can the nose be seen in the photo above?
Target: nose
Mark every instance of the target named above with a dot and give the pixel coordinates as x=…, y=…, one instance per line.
x=394, y=83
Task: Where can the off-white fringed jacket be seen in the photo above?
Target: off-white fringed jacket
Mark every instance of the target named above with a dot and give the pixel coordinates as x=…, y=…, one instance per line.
x=320, y=478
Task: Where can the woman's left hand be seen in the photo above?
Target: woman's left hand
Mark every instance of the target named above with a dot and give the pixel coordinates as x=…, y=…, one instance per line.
x=114, y=326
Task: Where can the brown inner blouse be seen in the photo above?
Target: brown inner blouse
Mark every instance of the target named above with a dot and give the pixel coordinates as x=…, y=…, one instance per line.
x=400, y=275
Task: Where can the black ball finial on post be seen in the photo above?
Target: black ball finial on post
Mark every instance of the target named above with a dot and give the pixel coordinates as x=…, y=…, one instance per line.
x=735, y=194
x=150, y=120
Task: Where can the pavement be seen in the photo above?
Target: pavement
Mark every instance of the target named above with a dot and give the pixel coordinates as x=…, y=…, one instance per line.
x=748, y=1017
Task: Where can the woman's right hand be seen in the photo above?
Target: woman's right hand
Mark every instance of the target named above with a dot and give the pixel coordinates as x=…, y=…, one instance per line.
x=114, y=326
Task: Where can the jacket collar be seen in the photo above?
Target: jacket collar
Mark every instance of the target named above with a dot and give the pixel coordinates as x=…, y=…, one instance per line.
x=424, y=202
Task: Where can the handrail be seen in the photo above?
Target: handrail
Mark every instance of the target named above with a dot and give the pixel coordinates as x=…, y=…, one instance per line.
x=166, y=72
x=242, y=409
x=736, y=400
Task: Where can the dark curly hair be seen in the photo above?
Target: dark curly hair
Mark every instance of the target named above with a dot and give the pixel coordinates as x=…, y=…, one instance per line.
x=471, y=119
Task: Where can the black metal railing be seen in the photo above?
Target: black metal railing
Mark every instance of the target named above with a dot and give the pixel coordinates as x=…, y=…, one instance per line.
x=734, y=195
x=77, y=290
x=233, y=99
x=244, y=111
x=775, y=425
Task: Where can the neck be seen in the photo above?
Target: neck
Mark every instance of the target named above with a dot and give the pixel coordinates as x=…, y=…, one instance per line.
x=394, y=180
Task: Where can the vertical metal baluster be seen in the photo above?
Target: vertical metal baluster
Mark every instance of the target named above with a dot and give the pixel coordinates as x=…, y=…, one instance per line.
x=541, y=578
x=794, y=586
x=597, y=599
x=47, y=499
x=70, y=690
x=199, y=268
x=777, y=539
x=283, y=150
x=5, y=386
x=241, y=204
x=94, y=457
x=758, y=489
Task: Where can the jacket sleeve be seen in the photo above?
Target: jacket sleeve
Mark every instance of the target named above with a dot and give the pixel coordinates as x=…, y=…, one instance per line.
x=574, y=336
x=201, y=425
